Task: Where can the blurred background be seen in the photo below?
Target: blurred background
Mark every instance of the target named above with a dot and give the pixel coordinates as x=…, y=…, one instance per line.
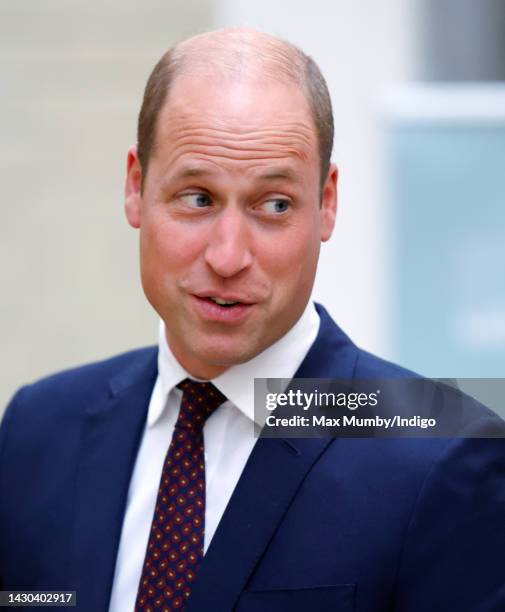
x=416, y=269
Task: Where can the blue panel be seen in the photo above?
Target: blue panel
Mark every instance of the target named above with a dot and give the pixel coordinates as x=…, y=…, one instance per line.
x=449, y=215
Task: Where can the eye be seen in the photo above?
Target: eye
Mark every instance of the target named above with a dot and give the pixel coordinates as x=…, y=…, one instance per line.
x=276, y=206
x=196, y=200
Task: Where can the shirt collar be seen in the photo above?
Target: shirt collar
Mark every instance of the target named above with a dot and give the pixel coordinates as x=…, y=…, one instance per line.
x=280, y=360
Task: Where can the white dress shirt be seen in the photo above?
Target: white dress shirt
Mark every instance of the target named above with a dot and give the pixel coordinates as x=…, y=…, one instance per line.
x=229, y=437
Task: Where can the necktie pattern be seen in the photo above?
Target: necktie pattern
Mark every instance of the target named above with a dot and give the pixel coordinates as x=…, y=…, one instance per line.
x=175, y=547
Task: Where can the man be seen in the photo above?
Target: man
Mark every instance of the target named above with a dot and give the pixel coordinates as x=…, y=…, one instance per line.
x=117, y=477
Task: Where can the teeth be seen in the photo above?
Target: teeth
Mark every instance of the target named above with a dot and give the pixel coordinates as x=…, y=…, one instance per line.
x=223, y=302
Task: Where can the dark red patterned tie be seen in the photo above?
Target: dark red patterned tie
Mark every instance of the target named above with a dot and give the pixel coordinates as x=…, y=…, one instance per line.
x=175, y=547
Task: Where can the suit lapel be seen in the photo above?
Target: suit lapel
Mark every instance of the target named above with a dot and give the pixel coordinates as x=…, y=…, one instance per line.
x=111, y=434
x=269, y=482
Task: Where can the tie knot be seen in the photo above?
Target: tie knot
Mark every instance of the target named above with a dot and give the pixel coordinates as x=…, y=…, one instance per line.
x=199, y=400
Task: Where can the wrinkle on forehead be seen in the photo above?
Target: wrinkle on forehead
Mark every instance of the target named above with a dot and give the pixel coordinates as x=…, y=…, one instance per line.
x=296, y=138
x=239, y=125
x=282, y=142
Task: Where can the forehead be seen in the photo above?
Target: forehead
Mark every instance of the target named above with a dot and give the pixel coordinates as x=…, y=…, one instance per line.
x=248, y=121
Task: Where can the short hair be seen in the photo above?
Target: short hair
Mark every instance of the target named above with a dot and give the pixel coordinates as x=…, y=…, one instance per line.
x=234, y=51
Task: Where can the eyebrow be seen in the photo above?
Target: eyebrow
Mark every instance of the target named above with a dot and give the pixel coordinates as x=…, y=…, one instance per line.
x=283, y=173
x=190, y=171
x=270, y=174
x=183, y=173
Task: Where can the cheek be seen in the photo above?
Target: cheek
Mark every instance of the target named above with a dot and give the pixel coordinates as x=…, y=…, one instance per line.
x=167, y=246
x=290, y=259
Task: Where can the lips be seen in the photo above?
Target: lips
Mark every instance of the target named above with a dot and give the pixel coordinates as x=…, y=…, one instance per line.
x=223, y=298
x=227, y=309
x=222, y=302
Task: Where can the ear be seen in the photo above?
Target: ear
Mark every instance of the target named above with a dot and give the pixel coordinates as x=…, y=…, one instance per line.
x=328, y=209
x=133, y=196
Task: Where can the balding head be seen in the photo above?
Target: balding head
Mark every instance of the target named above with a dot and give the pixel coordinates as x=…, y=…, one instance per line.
x=236, y=54
x=240, y=52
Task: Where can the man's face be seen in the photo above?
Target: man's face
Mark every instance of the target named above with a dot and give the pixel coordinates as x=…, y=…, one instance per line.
x=231, y=218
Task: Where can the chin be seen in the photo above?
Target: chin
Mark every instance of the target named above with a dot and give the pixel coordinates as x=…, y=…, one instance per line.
x=219, y=353
x=225, y=358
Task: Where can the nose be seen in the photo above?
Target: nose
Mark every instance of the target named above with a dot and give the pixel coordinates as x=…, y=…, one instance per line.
x=228, y=250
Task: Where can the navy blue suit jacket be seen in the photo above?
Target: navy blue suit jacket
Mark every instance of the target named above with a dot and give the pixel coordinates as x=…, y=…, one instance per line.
x=370, y=525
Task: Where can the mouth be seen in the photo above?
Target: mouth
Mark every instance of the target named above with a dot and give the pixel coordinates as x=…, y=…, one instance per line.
x=221, y=309
x=224, y=303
